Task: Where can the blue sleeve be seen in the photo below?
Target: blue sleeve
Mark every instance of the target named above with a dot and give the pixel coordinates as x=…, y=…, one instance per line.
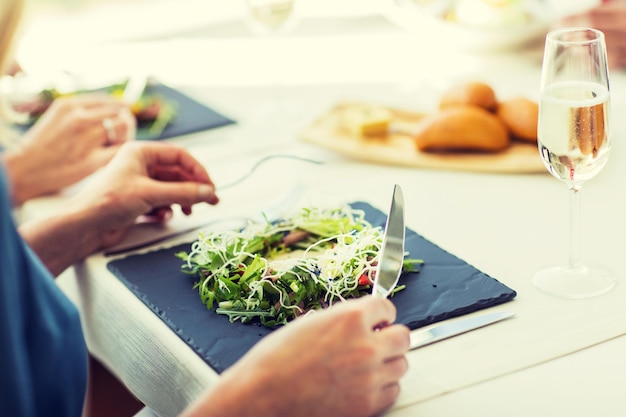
x=43, y=358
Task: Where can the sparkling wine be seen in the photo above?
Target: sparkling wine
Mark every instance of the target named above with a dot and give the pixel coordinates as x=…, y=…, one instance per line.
x=573, y=129
x=574, y=143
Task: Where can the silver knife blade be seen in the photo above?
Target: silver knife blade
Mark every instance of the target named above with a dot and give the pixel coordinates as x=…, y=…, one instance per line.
x=423, y=337
x=391, y=254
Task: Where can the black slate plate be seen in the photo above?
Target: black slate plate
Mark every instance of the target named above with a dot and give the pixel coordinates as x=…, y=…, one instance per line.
x=445, y=287
x=191, y=116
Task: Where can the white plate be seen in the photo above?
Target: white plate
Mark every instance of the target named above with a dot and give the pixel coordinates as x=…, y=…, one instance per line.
x=429, y=21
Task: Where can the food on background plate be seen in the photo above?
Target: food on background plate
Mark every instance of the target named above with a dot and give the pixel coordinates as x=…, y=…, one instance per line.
x=457, y=135
x=273, y=272
x=366, y=120
x=152, y=111
x=473, y=93
x=521, y=117
x=471, y=118
x=462, y=128
x=398, y=147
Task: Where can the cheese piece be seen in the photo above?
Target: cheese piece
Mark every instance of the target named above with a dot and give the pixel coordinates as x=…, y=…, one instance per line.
x=366, y=120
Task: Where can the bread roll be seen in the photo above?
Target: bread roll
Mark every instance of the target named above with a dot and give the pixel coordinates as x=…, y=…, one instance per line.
x=471, y=93
x=462, y=128
x=520, y=116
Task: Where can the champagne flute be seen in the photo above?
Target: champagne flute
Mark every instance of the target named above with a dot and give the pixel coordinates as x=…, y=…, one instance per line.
x=574, y=143
x=270, y=17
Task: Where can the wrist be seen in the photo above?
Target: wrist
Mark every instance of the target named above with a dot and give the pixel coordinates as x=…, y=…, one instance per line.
x=26, y=173
x=63, y=239
x=241, y=393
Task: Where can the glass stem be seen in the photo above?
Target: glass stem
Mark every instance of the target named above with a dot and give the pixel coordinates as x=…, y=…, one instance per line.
x=574, y=226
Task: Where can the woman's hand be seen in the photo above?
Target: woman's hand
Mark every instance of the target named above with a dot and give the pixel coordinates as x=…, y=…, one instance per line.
x=143, y=178
x=75, y=137
x=328, y=363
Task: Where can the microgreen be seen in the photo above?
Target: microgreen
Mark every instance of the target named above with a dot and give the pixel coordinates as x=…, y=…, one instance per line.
x=276, y=271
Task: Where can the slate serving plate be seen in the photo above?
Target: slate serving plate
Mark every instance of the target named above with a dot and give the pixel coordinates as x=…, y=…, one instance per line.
x=191, y=116
x=445, y=287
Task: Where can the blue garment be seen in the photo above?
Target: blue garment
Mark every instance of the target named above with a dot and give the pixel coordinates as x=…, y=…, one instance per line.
x=43, y=358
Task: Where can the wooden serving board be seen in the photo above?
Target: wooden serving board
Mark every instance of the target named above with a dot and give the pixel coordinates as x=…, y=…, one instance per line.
x=397, y=148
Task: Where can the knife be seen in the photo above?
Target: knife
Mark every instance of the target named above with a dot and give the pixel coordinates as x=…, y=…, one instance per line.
x=423, y=337
x=391, y=254
x=135, y=86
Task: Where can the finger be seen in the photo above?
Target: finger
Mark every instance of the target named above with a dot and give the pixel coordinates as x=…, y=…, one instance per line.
x=160, y=155
x=160, y=214
x=378, y=311
x=171, y=173
x=119, y=128
x=129, y=124
x=107, y=125
x=94, y=114
x=185, y=194
x=397, y=336
x=394, y=341
x=110, y=131
x=395, y=368
x=89, y=135
x=94, y=99
x=387, y=396
x=90, y=111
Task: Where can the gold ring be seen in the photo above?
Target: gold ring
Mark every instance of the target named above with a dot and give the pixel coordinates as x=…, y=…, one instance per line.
x=109, y=130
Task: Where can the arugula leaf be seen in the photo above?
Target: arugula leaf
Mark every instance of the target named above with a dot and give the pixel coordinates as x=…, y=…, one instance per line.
x=254, y=275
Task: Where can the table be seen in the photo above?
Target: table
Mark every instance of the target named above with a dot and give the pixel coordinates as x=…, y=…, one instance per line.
x=559, y=357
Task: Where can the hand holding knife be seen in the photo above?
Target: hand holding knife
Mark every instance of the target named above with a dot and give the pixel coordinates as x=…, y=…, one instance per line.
x=388, y=272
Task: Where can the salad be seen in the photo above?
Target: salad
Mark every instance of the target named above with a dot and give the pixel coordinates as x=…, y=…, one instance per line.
x=152, y=111
x=273, y=272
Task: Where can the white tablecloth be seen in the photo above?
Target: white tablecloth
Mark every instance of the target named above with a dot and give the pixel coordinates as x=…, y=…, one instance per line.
x=558, y=357
x=506, y=225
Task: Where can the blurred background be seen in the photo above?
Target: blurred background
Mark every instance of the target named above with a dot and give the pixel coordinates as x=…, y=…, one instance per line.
x=208, y=42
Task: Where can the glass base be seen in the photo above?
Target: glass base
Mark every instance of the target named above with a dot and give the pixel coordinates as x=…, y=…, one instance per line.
x=579, y=282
